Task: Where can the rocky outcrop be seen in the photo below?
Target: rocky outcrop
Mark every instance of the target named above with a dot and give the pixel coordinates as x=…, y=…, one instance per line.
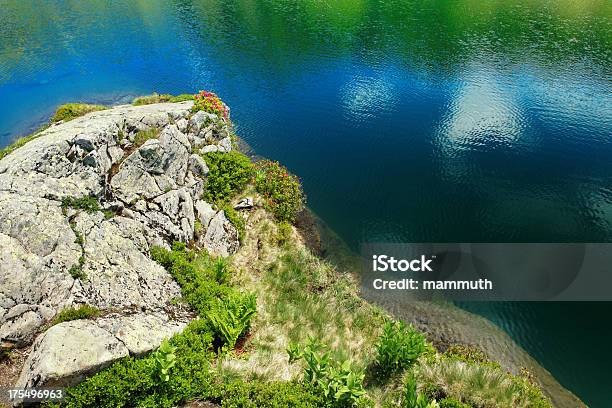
x=52, y=257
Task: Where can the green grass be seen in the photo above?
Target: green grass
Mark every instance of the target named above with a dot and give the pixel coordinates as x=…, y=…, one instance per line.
x=143, y=135
x=88, y=204
x=71, y=313
x=160, y=98
x=71, y=111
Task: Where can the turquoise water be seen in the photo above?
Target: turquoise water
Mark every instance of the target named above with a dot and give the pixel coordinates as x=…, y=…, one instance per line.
x=407, y=121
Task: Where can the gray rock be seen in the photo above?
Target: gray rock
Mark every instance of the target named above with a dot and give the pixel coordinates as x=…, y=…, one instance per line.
x=244, y=204
x=210, y=149
x=140, y=332
x=200, y=119
x=67, y=352
x=225, y=144
x=198, y=166
x=221, y=237
x=204, y=212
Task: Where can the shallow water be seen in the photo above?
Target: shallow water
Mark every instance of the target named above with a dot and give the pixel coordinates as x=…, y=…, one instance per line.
x=407, y=121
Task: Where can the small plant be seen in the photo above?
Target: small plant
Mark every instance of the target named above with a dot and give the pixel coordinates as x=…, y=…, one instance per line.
x=232, y=317
x=71, y=313
x=221, y=270
x=71, y=111
x=165, y=360
x=337, y=383
x=281, y=190
x=449, y=402
x=209, y=102
x=398, y=346
x=469, y=354
x=228, y=174
x=413, y=399
x=143, y=135
x=88, y=204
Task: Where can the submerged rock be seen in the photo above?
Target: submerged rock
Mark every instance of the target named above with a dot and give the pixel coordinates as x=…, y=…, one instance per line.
x=53, y=256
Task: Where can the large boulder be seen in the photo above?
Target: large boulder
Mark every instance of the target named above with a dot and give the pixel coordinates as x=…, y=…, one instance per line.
x=53, y=257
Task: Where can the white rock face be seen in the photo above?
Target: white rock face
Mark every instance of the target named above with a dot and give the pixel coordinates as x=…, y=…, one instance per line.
x=155, y=194
x=69, y=351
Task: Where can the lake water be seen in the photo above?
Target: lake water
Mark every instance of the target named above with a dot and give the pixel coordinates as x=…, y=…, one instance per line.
x=416, y=121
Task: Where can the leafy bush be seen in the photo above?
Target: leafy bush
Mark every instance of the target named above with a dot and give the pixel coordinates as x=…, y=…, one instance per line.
x=398, y=346
x=228, y=174
x=165, y=359
x=281, y=190
x=143, y=135
x=71, y=111
x=71, y=313
x=209, y=102
x=336, y=382
x=88, y=204
x=268, y=395
x=228, y=312
x=452, y=403
x=231, y=318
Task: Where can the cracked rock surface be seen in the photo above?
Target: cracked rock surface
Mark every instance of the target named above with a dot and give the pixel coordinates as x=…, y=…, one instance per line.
x=151, y=194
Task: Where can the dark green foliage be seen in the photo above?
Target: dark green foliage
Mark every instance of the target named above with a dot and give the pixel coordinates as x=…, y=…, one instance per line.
x=89, y=204
x=71, y=111
x=336, y=382
x=228, y=312
x=228, y=174
x=71, y=313
x=267, y=395
x=237, y=221
x=398, y=346
x=281, y=190
x=452, y=403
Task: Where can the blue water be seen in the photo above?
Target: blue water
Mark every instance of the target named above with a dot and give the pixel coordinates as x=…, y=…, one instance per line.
x=407, y=121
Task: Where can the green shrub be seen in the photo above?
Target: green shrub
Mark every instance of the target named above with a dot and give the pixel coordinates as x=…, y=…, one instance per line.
x=449, y=402
x=76, y=271
x=71, y=111
x=143, y=135
x=335, y=381
x=71, y=313
x=231, y=317
x=181, y=98
x=153, y=98
x=228, y=174
x=236, y=220
x=88, y=204
x=209, y=102
x=267, y=395
x=398, y=347
x=281, y=190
